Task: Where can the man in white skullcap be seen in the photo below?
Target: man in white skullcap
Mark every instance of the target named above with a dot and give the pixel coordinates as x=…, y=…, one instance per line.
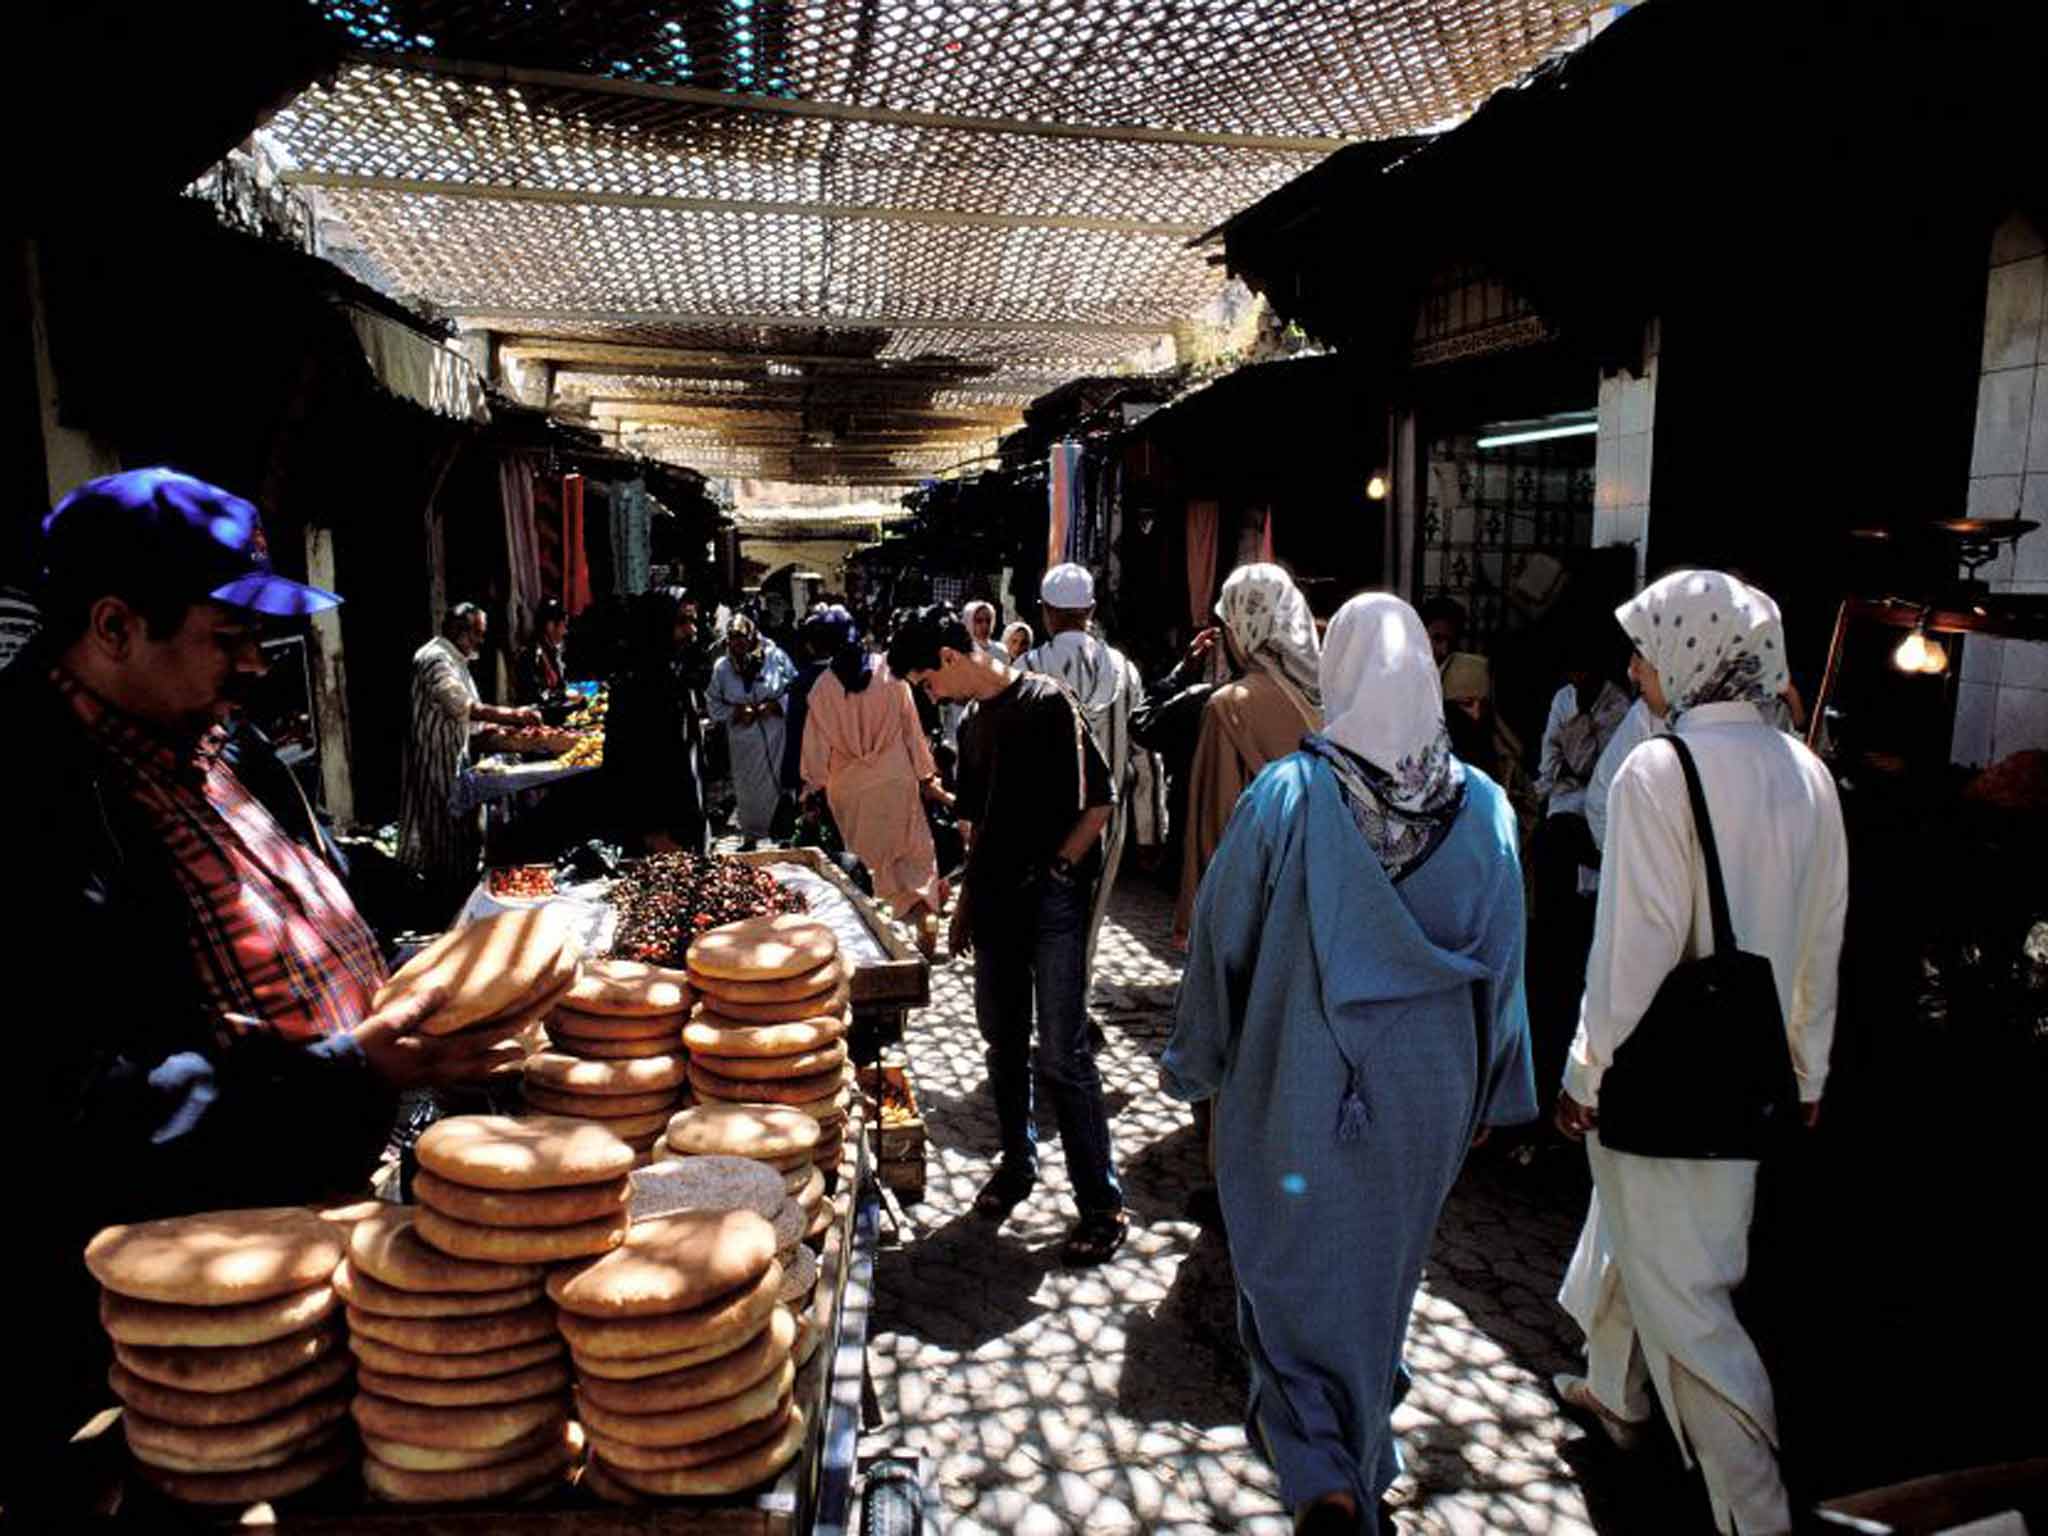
x=1108, y=688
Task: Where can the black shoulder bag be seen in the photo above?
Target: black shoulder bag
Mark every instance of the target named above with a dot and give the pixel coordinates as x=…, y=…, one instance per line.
x=1708, y=1071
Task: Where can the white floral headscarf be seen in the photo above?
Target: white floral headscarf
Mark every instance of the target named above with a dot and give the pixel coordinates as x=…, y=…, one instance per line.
x=1273, y=630
x=1712, y=639
x=1385, y=738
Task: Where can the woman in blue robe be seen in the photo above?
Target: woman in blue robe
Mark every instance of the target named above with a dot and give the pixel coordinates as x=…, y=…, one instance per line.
x=1353, y=1005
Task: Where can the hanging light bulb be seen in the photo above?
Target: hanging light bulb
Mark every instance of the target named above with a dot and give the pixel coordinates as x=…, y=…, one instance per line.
x=1919, y=652
x=1376, y=488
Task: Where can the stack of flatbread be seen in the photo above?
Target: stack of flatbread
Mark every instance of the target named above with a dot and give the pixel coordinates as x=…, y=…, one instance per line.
x=723, y=1183
x=227, y=1349
x=684, y=1357
x=511, y=967
x=623, y=1014
x=463, y=1388
x=774, y=1135
x=539, y=1189
x=770, y=1027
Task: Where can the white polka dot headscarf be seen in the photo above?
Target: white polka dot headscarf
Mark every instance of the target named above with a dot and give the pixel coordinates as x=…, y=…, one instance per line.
x=1712, y=639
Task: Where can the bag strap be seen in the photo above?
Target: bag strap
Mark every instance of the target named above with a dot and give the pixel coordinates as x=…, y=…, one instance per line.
x=1717, y=892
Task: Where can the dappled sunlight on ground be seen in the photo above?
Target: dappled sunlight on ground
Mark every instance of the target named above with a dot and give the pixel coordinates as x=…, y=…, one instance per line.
x=1113, y=1399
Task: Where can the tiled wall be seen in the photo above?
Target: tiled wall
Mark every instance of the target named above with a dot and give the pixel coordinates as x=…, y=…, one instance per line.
x=2002, y=699
x=1621, y=464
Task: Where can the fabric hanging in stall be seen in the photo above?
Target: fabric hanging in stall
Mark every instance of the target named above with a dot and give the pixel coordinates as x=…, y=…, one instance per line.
x=632, y=538
x=522, y=545
x=1063, y=496
x=575, y=560
x=549, y=557
x=1266, y=537
x=1203, y=517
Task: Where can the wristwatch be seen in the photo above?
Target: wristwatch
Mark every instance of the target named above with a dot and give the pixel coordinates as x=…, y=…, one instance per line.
x=1061, y=869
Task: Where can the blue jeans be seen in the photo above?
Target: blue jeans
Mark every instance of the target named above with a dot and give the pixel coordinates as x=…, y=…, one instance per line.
x=1048, y=960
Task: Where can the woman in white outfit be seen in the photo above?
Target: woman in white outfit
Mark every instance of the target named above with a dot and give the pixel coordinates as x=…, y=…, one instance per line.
x=1667, y=1239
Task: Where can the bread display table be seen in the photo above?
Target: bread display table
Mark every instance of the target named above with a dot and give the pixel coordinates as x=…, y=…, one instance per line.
x=815, y=1492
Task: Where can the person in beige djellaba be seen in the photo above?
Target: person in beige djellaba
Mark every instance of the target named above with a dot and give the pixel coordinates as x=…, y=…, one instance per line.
x=1666, y=1240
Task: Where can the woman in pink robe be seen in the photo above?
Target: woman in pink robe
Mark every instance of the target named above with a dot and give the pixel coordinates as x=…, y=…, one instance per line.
x=864, y=749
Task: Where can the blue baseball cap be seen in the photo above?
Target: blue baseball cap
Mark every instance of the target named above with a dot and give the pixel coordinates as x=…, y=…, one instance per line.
x=171, y=533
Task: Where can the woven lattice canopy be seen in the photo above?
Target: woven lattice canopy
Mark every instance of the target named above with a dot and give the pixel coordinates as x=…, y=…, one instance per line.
x=839, y=239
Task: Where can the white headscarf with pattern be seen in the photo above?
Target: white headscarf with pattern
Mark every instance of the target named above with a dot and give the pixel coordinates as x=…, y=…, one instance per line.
x=1713, y=639
x=1384, y=707
x=1269, y=622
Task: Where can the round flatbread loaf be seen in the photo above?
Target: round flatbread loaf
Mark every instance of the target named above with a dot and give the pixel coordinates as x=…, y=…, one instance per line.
x=686, y=1426
x=520, y=1207
x=594, y=1026
x=432, y=1458
x=550, y=1375
x=493, y=967
x=765, y=1042
x=799, y=1280
x=257, y=1461
x=601, y=1106
x=386, y=1247
x=217, y=1258
x=628, y=989
x=733, y=1012
x=594, y=1049
x=255, y=1322
x=379, y=1356
x=814, y=983
x=821, y=1222
x=177, y=1405
x=235, y=1369
x=829, y=1112
x=670, y=1264
x=524, y=1245
x=768, y=1068
x=725, y=1322
x=708, y=1184
x=812, y=1195
x=456, y=1335
x=643, y=1366
x=348, y=1215
x=654, y=1458
x=637, y=1130
x=486, y=1427
x=562, y=1073
x=798, y=1179
x=546, y=1465
x=759, y=1131
x=212, y=1444
x=368, y=1295
x=732, y=1474
x=313, y=1465
x=796, y=1091
x=532, y=1152
x=808, y=1336
x=762, y=949
x=715, y=1380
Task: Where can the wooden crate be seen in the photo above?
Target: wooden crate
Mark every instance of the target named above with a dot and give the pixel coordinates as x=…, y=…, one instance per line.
x=899, y=1146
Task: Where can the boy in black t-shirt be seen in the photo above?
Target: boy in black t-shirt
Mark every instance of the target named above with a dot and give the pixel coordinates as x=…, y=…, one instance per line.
x=1034, y=797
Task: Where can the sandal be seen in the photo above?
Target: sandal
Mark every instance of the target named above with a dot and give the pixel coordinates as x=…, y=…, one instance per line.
x=1095, y=1239
x=1002, y=1194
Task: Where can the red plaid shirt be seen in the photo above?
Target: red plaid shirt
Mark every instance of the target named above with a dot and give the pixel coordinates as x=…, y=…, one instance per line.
x=274, y=938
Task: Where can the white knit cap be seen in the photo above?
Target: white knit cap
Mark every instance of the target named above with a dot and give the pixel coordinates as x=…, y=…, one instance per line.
x=1067, y=586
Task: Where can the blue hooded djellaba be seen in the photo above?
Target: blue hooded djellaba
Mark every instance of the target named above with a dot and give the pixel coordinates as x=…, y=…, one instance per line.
x=1355, y=1029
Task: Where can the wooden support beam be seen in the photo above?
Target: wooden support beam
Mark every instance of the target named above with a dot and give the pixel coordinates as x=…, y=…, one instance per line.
x=594, y=356
x=846, y=112
x=944, y=218
x=488, y=317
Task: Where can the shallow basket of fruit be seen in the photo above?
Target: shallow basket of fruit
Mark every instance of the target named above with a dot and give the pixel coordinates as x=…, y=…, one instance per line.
x=899, y=1129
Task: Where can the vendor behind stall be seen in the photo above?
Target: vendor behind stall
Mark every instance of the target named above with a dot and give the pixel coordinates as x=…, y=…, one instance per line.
x=442, y=844
x=191, y=986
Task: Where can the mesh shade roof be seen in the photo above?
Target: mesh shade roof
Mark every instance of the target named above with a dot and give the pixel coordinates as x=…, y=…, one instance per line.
x=998, y=192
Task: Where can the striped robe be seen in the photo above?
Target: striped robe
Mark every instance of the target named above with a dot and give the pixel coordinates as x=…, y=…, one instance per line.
x=433, y=838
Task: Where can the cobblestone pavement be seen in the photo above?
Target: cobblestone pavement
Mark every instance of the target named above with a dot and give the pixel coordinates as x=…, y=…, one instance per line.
x=1112, y=1400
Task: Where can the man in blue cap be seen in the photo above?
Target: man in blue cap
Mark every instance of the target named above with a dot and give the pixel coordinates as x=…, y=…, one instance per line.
x=193, y=1024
